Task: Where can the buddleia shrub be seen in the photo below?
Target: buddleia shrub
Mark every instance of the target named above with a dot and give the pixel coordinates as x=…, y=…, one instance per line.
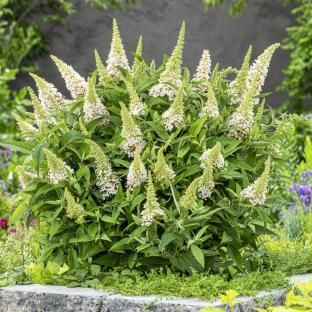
x=146, y=167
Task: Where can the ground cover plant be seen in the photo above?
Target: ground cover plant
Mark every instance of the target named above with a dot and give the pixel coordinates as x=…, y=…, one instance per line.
x=297, y=299
x=147, y=167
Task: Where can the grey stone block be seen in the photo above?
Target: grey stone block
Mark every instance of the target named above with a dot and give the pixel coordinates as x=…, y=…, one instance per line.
x=44, y=298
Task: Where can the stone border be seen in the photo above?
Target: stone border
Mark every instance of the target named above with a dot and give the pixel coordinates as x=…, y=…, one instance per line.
x=43, y=298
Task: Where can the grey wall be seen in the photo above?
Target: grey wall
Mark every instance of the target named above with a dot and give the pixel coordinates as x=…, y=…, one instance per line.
x=159, y=21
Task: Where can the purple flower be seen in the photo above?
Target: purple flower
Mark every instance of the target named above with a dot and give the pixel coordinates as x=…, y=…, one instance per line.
x=4, y=223
x=8, y=152
x=6, y=165
x=306, y=173
x=304, y=192
x=13, y=231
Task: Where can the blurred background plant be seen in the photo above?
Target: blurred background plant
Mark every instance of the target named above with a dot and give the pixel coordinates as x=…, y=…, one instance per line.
x=298, y=74
x=235, y=7
x=291, y=179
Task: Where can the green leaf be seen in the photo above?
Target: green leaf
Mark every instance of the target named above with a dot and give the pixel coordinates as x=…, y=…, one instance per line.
x=17, y=214
x=71, y=136
x=226, y=238
x=166, y=239
x=183, y=150
x=23, y=147
x=138, y=200
x=161, y=132
x=37, y=155
x=198, y=255
x=196, y=126
x=117, y=246
x=83, y=171
x=92, y=230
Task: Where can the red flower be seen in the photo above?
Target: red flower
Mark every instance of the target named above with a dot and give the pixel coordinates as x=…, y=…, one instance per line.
x=4, y=223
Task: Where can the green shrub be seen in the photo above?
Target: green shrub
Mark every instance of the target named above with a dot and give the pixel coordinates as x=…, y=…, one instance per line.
x=148, y=168
x=298, y=74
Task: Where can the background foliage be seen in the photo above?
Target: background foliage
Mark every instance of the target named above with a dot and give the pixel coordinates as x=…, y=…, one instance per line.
x=298, y=74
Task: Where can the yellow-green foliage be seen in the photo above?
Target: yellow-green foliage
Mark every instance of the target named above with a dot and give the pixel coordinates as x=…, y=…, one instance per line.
x=298, y=299
x=290, y=257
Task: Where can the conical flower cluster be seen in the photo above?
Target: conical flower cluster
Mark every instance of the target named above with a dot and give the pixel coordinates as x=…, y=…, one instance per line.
x=237, y=88
x=136, y=105
x=75, y=84
x=106, y=180
x=212, y=156
x=101, y=70
x=173, y=117
x=24, y=176
x=58, y=170
x=73, y=209
x=27, y=130
x=48, y=94
x=241, y=121
x=215, y=76
x=151, y=209
x=259, y=69
x=152, y=66
x=42, y=116
x=137, y=68
x=172, y=72
x=211, y=107
x=131, y=133
x=203, y=72
x=83, y=127
x=207, y=183
x=256, y=192
x=93, y=107
x=162, y=172
x=257, y=121
x=189, y=199
x=117, y=55
x=137, y=172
